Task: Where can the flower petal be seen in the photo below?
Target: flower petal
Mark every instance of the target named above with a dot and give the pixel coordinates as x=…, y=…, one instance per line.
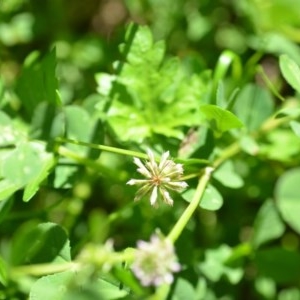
x=177, y=185
x=163, y=160
x=166, y=196
x=153, y=197
x=137, y=181
x=142, y=169
x=151, y=164
x=144, y=190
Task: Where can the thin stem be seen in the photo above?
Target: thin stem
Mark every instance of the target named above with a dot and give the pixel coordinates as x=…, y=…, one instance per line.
x=185, y=217
x=104, y=148
x=228, y=152
x=63, y=151
x=44, y=269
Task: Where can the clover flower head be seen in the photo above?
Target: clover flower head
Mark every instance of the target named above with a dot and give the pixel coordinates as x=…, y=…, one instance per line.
x=101, y=255
x=160, y=177
x=155, y=261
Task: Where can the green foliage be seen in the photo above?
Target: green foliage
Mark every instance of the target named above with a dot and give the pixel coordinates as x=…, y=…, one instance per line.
x=290, y=70
x=46, y=242
x=287, y=197
x=81, y=94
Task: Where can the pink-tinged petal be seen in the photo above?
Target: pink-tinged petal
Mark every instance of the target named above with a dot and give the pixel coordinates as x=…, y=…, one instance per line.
x=175, y=267
x=153, y=197
x=168, y=278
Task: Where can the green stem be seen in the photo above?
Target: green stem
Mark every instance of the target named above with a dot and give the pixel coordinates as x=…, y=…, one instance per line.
x=44, y=269
x=185, y=217
x=228, y=152
x=104, y=148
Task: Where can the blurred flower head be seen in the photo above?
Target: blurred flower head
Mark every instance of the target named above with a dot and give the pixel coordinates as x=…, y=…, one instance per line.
x=159, y=178
x=155, y=261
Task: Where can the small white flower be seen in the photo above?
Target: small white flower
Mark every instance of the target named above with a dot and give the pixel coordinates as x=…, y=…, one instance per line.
x=159, y=178
x=155, y=262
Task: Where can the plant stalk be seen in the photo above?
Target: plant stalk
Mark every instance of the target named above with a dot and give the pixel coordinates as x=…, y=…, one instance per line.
x=185, y=217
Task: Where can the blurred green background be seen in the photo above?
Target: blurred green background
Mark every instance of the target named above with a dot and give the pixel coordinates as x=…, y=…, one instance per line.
x=86, y=35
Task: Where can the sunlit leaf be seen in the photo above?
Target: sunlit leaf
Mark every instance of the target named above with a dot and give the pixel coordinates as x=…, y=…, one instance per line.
x=7, y=188
x=52, y=287
x=25, y=163
x=220, y=120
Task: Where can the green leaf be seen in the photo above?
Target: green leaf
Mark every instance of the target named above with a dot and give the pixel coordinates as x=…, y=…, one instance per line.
x=5, y=207
x=3, y=272
x=142, y=48
x=211, y=200
x=42, y=118
x=47, y=163
x=249, y=145
x=293, y=112
x=47, y=242
x=133, y=128
x=37, y=82
x=8, y=188
x=276, y=43
x=295, y=127
x=288, y=198
x=283, y=266
x=52, y=287
x=151, y=96
x=183, y=290
x=290, y=71
x=265, y=287
x=289, y=294
x=81, y=126
x=214, y=265
x=228, y=176
x=109, y=290
x=267, y=225
x=282, y=145
x=10, y=135
x=28, y=164
x=220, y=120
x=253, y=106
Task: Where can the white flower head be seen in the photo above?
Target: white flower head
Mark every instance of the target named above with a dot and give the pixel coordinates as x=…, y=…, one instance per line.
x=160, y=177
x=155, y=261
